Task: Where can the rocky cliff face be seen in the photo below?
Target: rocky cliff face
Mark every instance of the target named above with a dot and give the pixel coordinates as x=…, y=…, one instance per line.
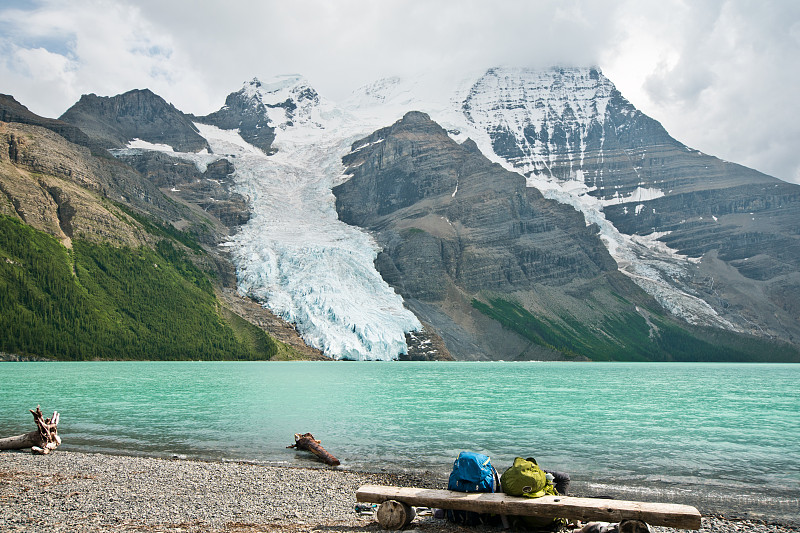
x=39, y=153
x=212, y=189
x=13, y=111
x=54, y=186
x=491, y=231
x=454, y=227
x=114, y=121
x=746, y=244
x=60, y=188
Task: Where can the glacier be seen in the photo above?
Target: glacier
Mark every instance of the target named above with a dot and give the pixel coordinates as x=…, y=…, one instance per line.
x=295, y=257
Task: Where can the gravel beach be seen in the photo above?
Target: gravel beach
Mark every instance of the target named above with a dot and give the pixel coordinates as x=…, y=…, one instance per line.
x=72, y=491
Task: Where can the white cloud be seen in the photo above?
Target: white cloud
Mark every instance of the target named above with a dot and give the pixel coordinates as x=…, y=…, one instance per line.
x=720, y=75
x=42, y=65
x=69, y=49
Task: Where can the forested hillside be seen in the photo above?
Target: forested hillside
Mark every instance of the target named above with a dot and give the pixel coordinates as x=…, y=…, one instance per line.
x=97, y=301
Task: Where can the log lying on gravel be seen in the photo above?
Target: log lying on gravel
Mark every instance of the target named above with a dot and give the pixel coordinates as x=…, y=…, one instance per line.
x=41, y=441
x=306, y=441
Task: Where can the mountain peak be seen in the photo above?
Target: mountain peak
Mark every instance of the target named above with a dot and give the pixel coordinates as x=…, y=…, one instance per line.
x=582, y=92
x=13, y=111
x=113, y=121
x=286, y=99
x=277, y=83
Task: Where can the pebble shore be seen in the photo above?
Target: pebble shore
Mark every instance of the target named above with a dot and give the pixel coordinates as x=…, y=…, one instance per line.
x=81, y=492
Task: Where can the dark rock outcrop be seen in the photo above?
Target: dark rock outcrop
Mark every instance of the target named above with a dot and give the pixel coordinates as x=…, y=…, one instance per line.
x=211, y=190
x=474, y=222
x=248, y=115
x=114, y=121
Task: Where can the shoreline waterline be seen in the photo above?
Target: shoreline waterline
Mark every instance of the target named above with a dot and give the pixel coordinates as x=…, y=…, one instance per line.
x=76, y=491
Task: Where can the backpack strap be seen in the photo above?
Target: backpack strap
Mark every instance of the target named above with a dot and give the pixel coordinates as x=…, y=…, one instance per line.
x=498, y=487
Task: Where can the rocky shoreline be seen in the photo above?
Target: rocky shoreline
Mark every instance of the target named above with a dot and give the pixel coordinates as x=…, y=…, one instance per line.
x=83, y=492
x=16, y=358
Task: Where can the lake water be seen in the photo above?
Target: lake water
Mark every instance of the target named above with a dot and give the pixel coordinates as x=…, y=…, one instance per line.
x=719, y=436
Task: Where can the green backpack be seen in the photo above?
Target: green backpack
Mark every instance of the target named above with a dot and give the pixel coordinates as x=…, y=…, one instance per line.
x=524, y=478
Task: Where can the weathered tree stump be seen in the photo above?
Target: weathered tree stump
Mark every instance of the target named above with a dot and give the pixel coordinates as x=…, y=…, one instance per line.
x=306, y=441
x=395, y=515
x=42, y=441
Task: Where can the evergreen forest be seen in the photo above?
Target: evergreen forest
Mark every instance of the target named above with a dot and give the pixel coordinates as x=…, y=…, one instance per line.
x=98, y=301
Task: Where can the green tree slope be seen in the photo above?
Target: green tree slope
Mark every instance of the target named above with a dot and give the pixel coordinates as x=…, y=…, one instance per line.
x=103, y=302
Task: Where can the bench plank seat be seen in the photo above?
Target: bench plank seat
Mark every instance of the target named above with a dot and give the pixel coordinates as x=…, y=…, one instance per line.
x=572, y=508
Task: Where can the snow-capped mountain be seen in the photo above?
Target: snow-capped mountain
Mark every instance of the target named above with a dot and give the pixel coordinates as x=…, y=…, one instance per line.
x=577, y=139
x=568, y=131
x=543, y=121
x=572, y=136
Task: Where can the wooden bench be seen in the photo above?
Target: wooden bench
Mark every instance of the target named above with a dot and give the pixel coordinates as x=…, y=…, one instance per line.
x=395, y=511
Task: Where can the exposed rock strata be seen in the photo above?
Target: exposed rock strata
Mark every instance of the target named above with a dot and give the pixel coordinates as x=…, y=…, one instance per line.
x=13, y=111
x=138, y=114
x=211, y=190
x=454, y=226
x=571, y=124
x=55, y=187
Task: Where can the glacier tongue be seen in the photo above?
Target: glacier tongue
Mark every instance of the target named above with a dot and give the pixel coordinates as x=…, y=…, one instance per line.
x=297, y=258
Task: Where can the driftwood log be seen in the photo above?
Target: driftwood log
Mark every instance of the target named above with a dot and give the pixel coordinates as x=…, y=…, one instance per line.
x=672, y=515
x=42, y=440
x=306, y=441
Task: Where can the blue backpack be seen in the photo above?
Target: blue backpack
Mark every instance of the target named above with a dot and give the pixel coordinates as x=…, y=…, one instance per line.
x=472, y=472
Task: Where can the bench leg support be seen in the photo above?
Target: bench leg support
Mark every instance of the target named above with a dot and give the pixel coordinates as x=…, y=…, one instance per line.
x=395, y=515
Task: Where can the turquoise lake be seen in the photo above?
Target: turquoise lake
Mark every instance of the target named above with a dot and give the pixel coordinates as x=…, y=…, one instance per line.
x=719, y=436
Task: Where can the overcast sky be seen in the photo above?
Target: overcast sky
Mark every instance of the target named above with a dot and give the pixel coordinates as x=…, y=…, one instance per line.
x=721, y=76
